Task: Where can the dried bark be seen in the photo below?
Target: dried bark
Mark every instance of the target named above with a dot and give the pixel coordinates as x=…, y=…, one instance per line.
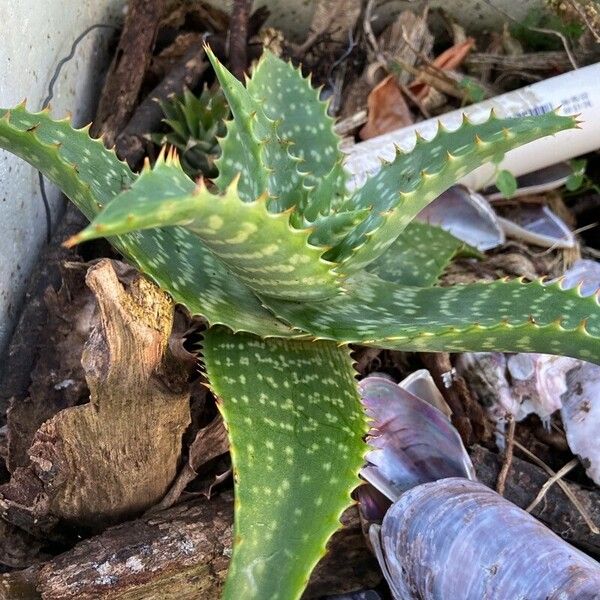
x=128, y=68
x=18, y=549
x=57, y=380
x=112, y=458
x=27, y=341
x=556, y=511
x=181, y=553
x=238, y=37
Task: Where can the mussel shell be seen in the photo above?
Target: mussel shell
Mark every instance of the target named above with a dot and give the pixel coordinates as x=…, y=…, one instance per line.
x=413, y=442
x=456, y=539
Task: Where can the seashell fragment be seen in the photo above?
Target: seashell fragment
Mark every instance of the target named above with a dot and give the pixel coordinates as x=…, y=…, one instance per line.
x=585, y=274
x=413, y=441
x=540, y=226
x=420, y=383
x=457, y=539
x=516, y=384
x=486, y=374
x=580, y=414
x=466, y=215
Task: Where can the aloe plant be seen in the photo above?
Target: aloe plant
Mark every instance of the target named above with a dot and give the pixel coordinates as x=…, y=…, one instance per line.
x=288, y=268
x=194, y=123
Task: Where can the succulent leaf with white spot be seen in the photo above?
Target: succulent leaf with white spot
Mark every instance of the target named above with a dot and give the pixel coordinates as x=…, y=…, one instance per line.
x=292, y=481
x=281, y=250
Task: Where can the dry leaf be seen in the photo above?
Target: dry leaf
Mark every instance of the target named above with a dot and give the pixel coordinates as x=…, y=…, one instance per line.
x=387, y=109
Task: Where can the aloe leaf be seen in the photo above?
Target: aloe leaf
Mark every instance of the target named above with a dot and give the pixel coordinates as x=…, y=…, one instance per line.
x=420, y=255
x=402, y=188
x=296, y=429
x=87, y=173
x=91, y=176
x=254, y=150
x=280, y=89
x=259, y=247
x=505, y=316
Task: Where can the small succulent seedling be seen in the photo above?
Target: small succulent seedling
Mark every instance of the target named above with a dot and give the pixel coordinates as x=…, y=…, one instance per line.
x=288, y=268
x=194, y=124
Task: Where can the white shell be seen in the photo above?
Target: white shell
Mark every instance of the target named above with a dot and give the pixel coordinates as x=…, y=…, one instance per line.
x=580, y=414
x=412, y=442
x=421, y=384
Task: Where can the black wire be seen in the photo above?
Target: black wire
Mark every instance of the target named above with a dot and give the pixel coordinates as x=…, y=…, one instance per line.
x=61, y=63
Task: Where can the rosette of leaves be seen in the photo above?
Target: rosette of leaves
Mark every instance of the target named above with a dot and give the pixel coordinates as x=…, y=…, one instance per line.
x=288, y=268
x=195, y=123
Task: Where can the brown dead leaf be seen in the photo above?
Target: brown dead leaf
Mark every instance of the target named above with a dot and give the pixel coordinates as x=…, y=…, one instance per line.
x=448, y=60
x=387, y=109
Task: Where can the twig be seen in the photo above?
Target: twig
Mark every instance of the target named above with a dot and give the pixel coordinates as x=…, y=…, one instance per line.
x=351, y=123
x=530, y=61
x=369, y=33
x=508, y=456
x=552, y=480
x=563, y=486
x=238, y=37
x=562, y=38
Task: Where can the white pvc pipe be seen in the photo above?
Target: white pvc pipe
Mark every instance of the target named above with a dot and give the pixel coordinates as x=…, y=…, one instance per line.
x=576, y=92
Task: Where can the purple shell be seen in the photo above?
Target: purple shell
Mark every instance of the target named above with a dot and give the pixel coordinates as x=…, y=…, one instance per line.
x=457, y=539
x=413, y=442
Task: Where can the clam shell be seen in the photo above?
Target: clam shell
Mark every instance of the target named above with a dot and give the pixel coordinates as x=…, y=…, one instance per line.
x=413, y=441
x=456, y=539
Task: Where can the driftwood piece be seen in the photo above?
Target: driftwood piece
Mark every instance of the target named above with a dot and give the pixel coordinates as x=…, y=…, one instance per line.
x=556, y=511
x=128, y=68
x=181, y=553
x=114, y=457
